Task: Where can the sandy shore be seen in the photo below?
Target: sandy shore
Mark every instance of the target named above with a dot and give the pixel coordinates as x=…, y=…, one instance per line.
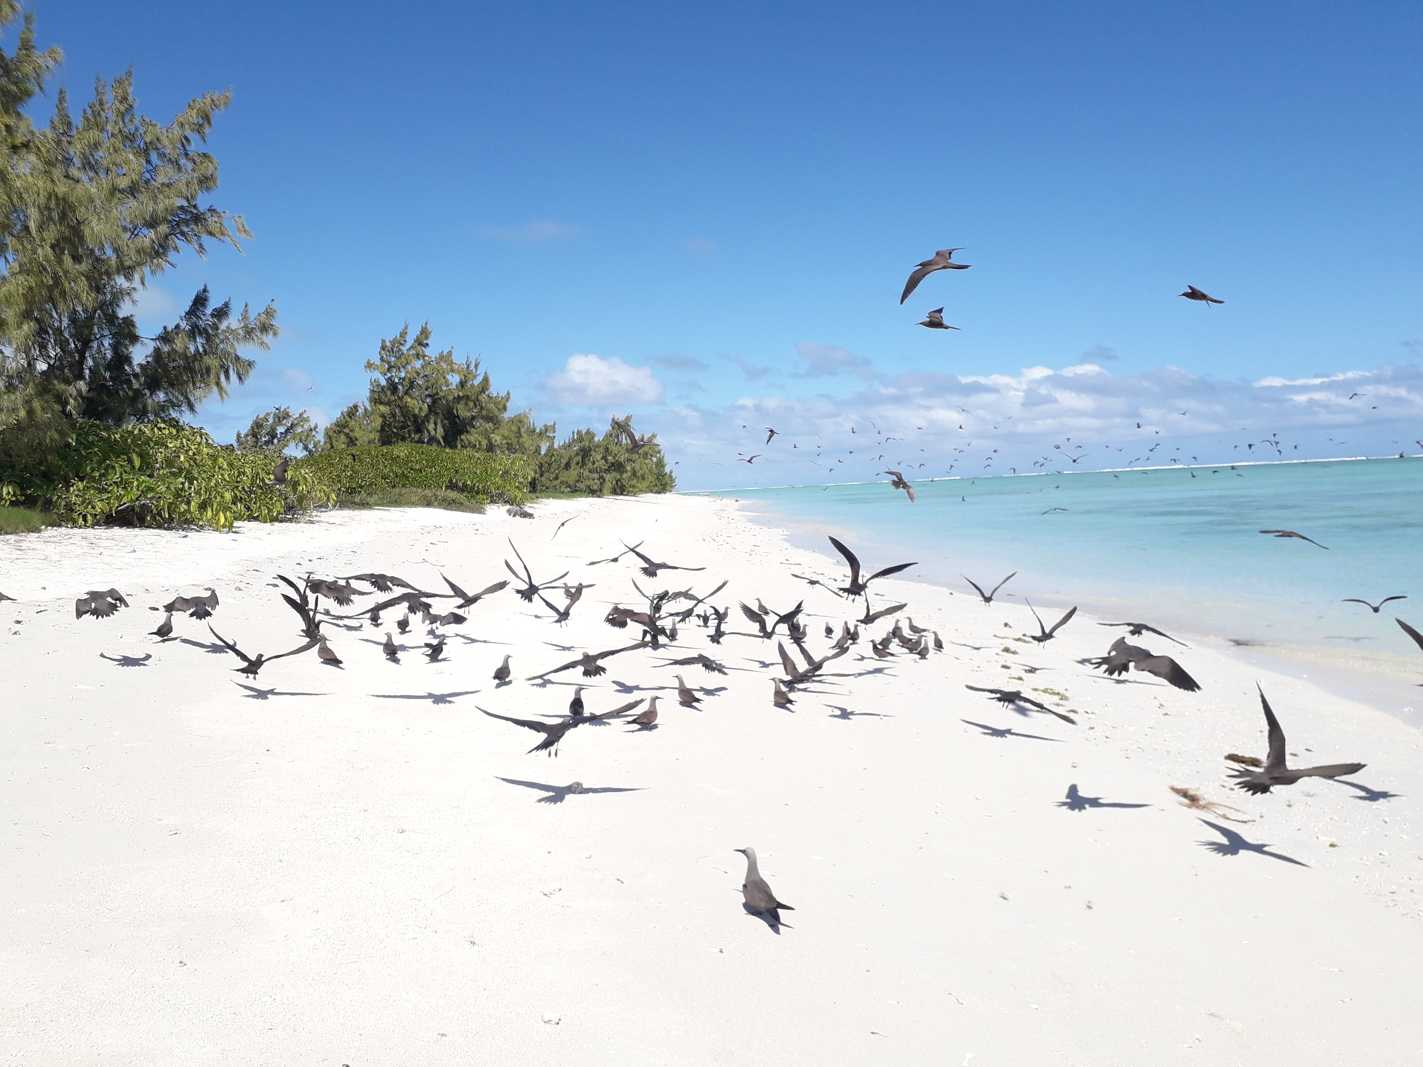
x=334, y=872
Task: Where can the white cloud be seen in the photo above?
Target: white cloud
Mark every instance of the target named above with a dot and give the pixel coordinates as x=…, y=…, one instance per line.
x=531, y=232
x=821, y=359
x=592, y=381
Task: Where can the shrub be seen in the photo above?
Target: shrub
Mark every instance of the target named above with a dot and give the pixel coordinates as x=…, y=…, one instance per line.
x=483, y=477
x=164, y=473
x=586, y=464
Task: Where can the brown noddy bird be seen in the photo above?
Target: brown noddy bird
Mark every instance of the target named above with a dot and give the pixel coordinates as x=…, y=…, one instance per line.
x=251, y=665
x=987, y=598
x=756, y=893
x=897, y=481
x=779, y=696
x=943, y=259
x=856, y=586
x=435, y=649
x=1277, y=770
x=1044, y=633
x=1296, y=535
x=685, y=696
x=1200, y=295
x=198, y=607
x=554, y=731
x=391, y=650
x=164, y=629
x=650, y=567
x=575, y=706
x=1122, y=656
x=1136, y=629
x=647, y=719
x=934, y=320
x=326, y=655
x=1016, y=698
x=100, y=603
x=1372, y=607
x=502, y=672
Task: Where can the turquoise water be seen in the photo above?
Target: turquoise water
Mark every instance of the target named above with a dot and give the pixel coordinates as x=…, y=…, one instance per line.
x=1161, y=546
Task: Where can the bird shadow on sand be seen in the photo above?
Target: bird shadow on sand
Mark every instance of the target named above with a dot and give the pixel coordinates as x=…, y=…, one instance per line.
x=254, y=693
x=561, y=648
x=467, y=639
x=1368, y=794
x=1125, y=681
x=1075, y=801
x=433, y=698
x=628, y=687
x=839, y=711
x=772, y=919
x=1006, y=731
x=207, y=646
x=867, y=673
x=127, y=661
x=1234, y=844
x=557, y=794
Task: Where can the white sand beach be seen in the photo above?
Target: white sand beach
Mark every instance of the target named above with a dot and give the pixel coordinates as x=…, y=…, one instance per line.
x=327, y=867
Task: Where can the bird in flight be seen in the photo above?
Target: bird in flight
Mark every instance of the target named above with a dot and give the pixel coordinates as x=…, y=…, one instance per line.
x=1044, y=634
x=940, y=260
x=751, y=459
x=1276, y=770
x=1123, y=655
x=898, y=481
x=553, y=732
x=1200, y=295
x=1296, y=535
x=987, y=598
x=100, y=603
x=934, y=320
x=1015, y=698
x=650, y=567
x=1136, y=629
x=771, y=432
x=856, y=586
x=1411, y=632
x=251, y=665
x=1372, y=607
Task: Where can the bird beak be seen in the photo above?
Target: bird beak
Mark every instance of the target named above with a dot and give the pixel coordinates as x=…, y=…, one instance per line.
x=741, y=850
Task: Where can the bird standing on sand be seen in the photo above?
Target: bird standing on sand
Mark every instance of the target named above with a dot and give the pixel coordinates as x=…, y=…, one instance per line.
x=391, y=650
x=940, y=260
x=575, y=706
x=1276, y=770
x=502, y=672
x=756, y=893
x=685, y=696
x=1200, y=295
x=647, y=719
x=934, y=320
x=435, y=649
x=326, y=655
x=165, y=628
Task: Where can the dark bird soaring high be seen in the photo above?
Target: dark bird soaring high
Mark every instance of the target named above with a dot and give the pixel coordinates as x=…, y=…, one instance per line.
x=940, y=260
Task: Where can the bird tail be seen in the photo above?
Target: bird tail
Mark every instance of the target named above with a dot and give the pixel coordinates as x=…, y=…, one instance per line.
x=784, y=907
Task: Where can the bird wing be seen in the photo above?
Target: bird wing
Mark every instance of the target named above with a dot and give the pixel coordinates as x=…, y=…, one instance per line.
x=528, y=575
x=1275, y=759
x=1034, y=610
x=645, y=559
x=1329, y=770
x=1411, y=632
x=909, y=492
x=305, y=647
x=787, y=664
x=615, y=651
x=225, y=643
x=877, y=615
x=916, y=276
x=1167, y=668
x=887, y=571
x=619, y=711
x=1160, y=633
x=1000, y=585
x=527, y=724
x=502, y=583
x=1062, y=621
x=302, y=610
x=978, y=589
x=456, y=590
x=982, y=689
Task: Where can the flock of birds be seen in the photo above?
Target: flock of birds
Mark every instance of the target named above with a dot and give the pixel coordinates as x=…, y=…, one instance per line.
x=839, y=458
x=666, y=621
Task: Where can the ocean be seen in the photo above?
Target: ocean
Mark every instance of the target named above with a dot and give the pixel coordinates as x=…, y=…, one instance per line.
x=1176, y=547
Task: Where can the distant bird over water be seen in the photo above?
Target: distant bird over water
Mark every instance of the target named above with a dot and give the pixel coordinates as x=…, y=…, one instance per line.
x=898, y=481
x=1296, y=535
x=1200, y=295
x=941, y=260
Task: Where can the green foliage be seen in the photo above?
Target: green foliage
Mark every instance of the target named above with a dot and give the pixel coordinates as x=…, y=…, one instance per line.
x=590, y=465
x=482, y=477
x=424, y=398
x=404, y=497
x=90, y=211
x=278, y=430
x=15, y=520
x=163, y=473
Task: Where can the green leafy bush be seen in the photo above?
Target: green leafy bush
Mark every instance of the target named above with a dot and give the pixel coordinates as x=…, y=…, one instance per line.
x=163, y=473
x=586, y=464
x=483, y=477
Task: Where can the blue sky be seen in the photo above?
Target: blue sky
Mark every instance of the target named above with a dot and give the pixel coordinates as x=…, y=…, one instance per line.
x=705, y=216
